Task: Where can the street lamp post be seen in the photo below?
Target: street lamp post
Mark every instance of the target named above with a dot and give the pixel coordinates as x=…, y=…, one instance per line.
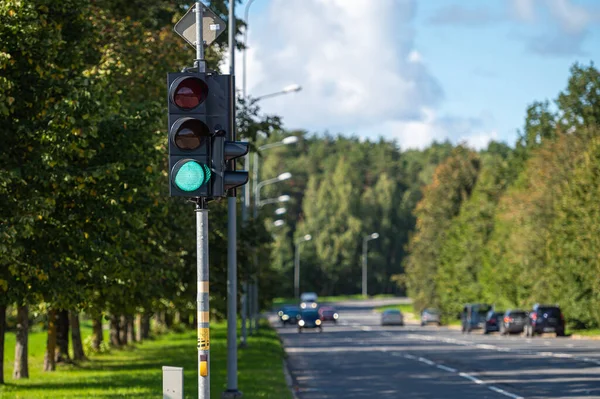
x=366, y=239
x=257, y=186
x=307, y=237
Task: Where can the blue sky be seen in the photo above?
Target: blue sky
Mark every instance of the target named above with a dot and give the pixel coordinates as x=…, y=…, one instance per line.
x=416, y=71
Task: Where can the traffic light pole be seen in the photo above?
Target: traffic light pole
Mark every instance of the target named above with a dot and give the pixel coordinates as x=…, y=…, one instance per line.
x=232, y=366
x=203, y=299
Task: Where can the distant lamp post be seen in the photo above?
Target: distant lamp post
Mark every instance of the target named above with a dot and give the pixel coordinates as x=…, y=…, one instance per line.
x=307, y=237
x=366, y=239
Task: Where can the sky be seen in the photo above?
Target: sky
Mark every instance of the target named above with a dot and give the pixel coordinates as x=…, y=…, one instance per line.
x=415, y=71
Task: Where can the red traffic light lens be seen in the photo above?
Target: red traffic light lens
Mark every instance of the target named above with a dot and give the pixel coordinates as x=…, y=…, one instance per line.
x=189, y=92
x=190, y=134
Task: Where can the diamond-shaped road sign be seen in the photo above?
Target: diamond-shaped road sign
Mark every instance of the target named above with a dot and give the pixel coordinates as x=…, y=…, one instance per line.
x=212, y=26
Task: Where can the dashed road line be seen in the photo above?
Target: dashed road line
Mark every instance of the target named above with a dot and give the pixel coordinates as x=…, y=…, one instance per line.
x=446, y=368
x=503, y=392
x=470, y=377
x=426, y=361
x=450, y=369
x=559, y=355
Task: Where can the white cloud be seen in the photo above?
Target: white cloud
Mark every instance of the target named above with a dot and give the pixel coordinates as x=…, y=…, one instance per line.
x=354, y=59
x=524, y=9
x=415, y=56
x=479, y=140
x=572, y=18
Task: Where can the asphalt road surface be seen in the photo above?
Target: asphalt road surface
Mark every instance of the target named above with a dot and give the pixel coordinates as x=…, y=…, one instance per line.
x=358, y=358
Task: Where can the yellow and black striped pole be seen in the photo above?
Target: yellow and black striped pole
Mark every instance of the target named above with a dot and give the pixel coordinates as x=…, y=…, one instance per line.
x=203, y=301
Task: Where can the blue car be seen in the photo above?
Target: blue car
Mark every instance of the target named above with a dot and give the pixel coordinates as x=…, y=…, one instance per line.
x=310, y=319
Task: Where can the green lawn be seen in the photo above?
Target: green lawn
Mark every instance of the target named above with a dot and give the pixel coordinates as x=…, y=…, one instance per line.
x=136, y=372
x=282, y=301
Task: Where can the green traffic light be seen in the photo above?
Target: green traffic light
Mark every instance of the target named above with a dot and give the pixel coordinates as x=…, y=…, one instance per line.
x=191, y=176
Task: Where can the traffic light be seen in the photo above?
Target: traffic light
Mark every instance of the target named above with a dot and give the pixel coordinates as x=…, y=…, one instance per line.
x=226, y=179
x=199, y=122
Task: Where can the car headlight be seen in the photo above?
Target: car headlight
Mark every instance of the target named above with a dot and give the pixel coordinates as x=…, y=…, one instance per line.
x=318, y=322
x=301, y=323
x=303, y=305
x=280, y=313
x=285, y=317
x=313, y=305
x=335, y=316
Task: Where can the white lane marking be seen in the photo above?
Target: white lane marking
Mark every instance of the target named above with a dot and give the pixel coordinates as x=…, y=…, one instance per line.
x=454, y=341
x=410, y=356
x=470, y=377
x=426, y=361
x=449, y=369
x=503, y=392
x=365, y=328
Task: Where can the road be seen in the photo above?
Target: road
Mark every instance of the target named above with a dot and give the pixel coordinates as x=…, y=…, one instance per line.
x=360, y=359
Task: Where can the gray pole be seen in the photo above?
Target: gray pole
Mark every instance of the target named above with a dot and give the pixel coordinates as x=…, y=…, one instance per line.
x=203, y=313
x=245, y=190
x=199, y=41
x=232, y=380
x=253, y=292
x=364, y=266
x=203, y=300
x=297, y=271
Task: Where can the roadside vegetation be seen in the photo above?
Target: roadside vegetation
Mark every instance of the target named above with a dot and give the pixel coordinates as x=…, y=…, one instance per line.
x=136, y=370
x=517, y=226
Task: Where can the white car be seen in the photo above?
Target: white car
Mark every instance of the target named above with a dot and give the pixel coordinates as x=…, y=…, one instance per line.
x=392, y=317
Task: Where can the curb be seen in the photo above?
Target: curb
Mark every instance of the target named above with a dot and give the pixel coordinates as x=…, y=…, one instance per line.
x=290, y=380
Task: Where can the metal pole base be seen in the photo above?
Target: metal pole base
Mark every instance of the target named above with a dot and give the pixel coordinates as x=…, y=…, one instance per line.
x=231, y=394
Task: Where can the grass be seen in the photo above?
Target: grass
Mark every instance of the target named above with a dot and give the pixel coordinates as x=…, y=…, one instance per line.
x=282, y=301
x=587, y=333
x=136, y=372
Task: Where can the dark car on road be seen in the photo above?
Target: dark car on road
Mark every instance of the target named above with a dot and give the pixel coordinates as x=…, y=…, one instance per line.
x=328, y=313
x=289, y=314
x=544, y=319
x=492, y=321
x=513, y=322
x=309, y=319
x=473, y=316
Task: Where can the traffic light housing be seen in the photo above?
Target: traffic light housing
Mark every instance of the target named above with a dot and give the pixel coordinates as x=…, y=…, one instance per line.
x=199, y=123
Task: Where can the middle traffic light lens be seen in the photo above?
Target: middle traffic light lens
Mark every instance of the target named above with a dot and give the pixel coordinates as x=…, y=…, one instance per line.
x=189, y=93
x=191, y=134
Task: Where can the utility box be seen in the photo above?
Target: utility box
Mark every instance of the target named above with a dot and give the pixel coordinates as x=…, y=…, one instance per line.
x=172, y=382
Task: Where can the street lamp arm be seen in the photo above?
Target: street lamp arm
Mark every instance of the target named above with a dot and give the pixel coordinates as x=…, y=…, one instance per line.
x=266, y=182
x=271, y=145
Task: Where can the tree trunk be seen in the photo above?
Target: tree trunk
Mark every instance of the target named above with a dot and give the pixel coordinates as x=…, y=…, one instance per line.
x=168, y=320
x=21, y=369
x=97, y=332
x=49, y=363
x=145, y=326
x=123, y=330
x=62, y=337
x=130, y=329
x=78, y=354
x=2, y=332
x=138, y=327
x=114, y=331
